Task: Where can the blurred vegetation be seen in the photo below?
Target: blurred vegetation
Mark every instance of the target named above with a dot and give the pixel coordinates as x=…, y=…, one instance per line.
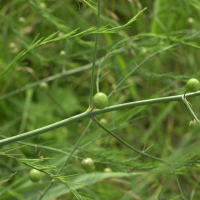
x=161, y=130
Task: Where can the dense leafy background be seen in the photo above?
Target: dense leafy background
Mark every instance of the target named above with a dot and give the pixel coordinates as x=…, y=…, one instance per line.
x=162, y=128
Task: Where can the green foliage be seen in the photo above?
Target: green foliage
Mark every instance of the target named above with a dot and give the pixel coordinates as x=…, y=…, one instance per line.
x=142, y=58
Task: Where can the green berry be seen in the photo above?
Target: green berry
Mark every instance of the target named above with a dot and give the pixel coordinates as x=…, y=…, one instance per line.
x=103, y=121
x=88, y=165
x=100, y=100
x=44, y=86
x=193, y=85
x=35, y=175
x=62, y=53
x=107, y=169
x=190, y=20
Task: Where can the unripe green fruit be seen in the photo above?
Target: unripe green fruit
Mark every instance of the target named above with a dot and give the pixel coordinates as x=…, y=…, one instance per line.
x=103, y=121
x=62, y=53
x=190, y=20
x=35, y=175
x=88, y=165
x=193, y=85
x=100, y=100
x=44, y=86
x=107, y=169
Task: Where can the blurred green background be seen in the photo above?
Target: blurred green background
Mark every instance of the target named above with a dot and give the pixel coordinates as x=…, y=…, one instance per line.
x=162, y=128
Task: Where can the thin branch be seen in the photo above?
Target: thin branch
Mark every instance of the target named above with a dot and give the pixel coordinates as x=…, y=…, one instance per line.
x=70, y=155
x=127, y=145
x=179, y=186
x=95, y=54
x=89, y=114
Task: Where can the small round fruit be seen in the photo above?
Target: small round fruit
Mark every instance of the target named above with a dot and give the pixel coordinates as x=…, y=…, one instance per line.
x=88, y=165
x=190, y=20
x=100, y=100
x=44, y=86
x=103, y=121
x=62, y=53
x=107, y=169
x=35, y=175
x=193, y=85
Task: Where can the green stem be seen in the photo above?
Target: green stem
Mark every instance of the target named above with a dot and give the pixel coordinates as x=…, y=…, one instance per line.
x=190, y=111
x=44, y=129
x=179, y=186
x=70, y=155
x=99, y=69
x=89, y=114
x=95, y=54
x=25, y=116
x=193, y=190
x=126, y=144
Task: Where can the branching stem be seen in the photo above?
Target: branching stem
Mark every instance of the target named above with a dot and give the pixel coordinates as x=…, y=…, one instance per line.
x=89, y=114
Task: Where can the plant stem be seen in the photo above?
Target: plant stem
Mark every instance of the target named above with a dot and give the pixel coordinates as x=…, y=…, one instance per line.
x=95, y=54
x=129, y=146
x=70, y=155
x=193, y=190
x=29, y=95
x=179, y=186
x=89, y=114
x=99, y=69
x=190, y=111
